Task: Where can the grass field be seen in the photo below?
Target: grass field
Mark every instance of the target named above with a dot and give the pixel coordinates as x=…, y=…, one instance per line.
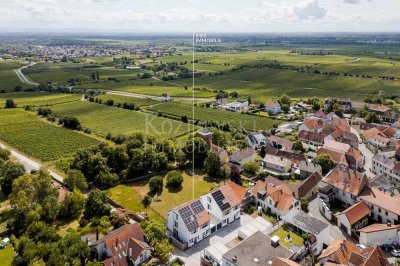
x=8, y=78
x=237, y=120
x=38, y=98
x=102, y=119
x=296, y=239
x=130, y=195
x=40, y=139
x=127, y=99
x=7, y=255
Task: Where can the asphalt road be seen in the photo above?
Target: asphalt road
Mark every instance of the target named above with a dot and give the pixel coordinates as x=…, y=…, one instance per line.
x=30, y=165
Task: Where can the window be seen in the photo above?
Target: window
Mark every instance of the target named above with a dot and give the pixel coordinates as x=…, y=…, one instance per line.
x=208, y=207
x=208, y=199
x=176, y=224
x=379, y=209
x=386, y=213
x=176, y=216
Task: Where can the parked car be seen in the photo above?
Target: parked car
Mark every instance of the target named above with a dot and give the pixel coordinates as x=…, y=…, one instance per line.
x=396, y=252
x=361, y=246
x=4, y=242
x=387, y=247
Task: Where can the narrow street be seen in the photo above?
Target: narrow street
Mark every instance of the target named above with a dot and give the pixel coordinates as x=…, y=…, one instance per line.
x=366, y=153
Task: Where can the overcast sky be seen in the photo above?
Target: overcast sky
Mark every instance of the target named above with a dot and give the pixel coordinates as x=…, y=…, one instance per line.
x=200, y=15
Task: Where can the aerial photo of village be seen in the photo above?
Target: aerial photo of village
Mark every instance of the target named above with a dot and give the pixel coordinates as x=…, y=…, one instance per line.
x=213, y=133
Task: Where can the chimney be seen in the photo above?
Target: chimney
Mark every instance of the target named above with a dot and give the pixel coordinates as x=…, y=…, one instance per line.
x=130, y=252
x=389, y=224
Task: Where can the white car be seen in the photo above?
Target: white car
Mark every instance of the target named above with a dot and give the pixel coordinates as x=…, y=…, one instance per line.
x=396, y=252
x=4, y=242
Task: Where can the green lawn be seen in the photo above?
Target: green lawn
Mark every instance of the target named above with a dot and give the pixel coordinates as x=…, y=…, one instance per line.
x=7, y=255
x=8, y=77
x=130, y=195
x=39, y=139
x=296, y=239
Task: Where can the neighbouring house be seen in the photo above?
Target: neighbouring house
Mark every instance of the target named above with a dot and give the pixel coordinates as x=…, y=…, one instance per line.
x=307, y=168
x=386, y=167
x=353, y=218
x=344, y=103
x=237, y=106
x=390, y=117
x=277, y=165
x=257, y=140
x=343, y=137
x=378, y=109
x=385, y=206
x=189, y=223
x=283, y=262
x=306, y=188
x=388, y=151
x=312, y=124
x=223, y=203
x=243, y=156
x=342, y=154
x=302, y=223
x=345, y=183
x=123, y=246
x=207, y=136
x=164, y=98
x=396, y=125
x=379, y=234
x=345, y=252
x=375, y=137
x=273, y=107
x=280, y=143
x=312, y=139
x=294, y=157
x=258, y=249
x=277, y=200
x=222, y=101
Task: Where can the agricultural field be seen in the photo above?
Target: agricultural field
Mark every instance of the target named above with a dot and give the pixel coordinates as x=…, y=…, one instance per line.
x=236, y=120
x=130, y=195
x=38, y=98
x=39, y=139
x=102, y=119
x=8, y=77
x=127, y=99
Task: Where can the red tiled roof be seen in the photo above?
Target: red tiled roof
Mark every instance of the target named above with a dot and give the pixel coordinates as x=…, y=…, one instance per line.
x=378, y=227
x=381, y=199
x=281, y=195
x=346, y=179
x=357, y=212
x=283, y=262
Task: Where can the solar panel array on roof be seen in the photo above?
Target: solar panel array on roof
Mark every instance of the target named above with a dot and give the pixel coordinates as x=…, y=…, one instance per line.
x=197, y=207
x=219, y=198
x=188, y=218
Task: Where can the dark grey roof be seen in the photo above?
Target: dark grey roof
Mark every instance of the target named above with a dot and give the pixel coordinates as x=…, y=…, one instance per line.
x=304, y=221
x=257, y=246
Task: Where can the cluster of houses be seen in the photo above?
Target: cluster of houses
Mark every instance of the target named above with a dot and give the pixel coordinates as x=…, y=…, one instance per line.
x=365, y=209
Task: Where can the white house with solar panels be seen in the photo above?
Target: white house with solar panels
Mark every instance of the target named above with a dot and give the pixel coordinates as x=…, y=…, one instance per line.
x=197, y=219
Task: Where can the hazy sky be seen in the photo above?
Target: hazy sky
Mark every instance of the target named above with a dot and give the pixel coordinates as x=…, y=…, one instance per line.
x=200, y=15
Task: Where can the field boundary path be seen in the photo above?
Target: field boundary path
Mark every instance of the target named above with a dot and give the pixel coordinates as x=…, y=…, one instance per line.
x=30, y=165
x=152, y=97
x=23, y=78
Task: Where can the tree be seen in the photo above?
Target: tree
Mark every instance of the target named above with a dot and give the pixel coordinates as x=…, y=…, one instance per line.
x=10, y=104
x=146, y=201
x=285, y=108
x=163, y=250
x=71, y=122
x=174, y=179
x=75, y=180
x=154, y=231
x=4, y=154
x=372, y=117
x=8, y=173
x=212, y=164
x=96, y=205
x=72, y=205
x=196, y=151
x=304, y=204
x=180, y=157
x=156, y=183
x=284, y=100
x=251, y=167
x=100, y=225
x=298, y=146
x=325, y=161
x=118, y=220
x=235, y=175
x=18, y=88
x=263, y=151
x=97, y=75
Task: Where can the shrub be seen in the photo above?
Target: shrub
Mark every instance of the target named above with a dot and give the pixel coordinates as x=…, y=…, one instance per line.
x=10, y=104
x=71, y=122
x=156, y=183
x=251, y=167
x=174, y=179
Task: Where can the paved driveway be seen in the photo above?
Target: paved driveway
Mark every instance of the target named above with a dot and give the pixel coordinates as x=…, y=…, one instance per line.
x=226, y=235
x=334, y=231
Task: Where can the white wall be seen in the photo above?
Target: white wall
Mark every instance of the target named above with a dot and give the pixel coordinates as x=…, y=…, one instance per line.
x=379, y=237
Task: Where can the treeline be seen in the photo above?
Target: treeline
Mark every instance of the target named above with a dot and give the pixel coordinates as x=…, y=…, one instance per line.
x=110, y=102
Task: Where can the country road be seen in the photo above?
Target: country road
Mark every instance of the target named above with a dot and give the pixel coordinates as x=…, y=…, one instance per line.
x=30, y=164
x=23, y=78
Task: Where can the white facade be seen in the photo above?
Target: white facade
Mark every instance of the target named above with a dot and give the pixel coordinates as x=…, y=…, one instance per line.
x=218, y=216
x=344, y=223
x=179, y=230
x=379, y=237
x=275, y=108
x=385, y=167
x=269, y=205
x=345, y=197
